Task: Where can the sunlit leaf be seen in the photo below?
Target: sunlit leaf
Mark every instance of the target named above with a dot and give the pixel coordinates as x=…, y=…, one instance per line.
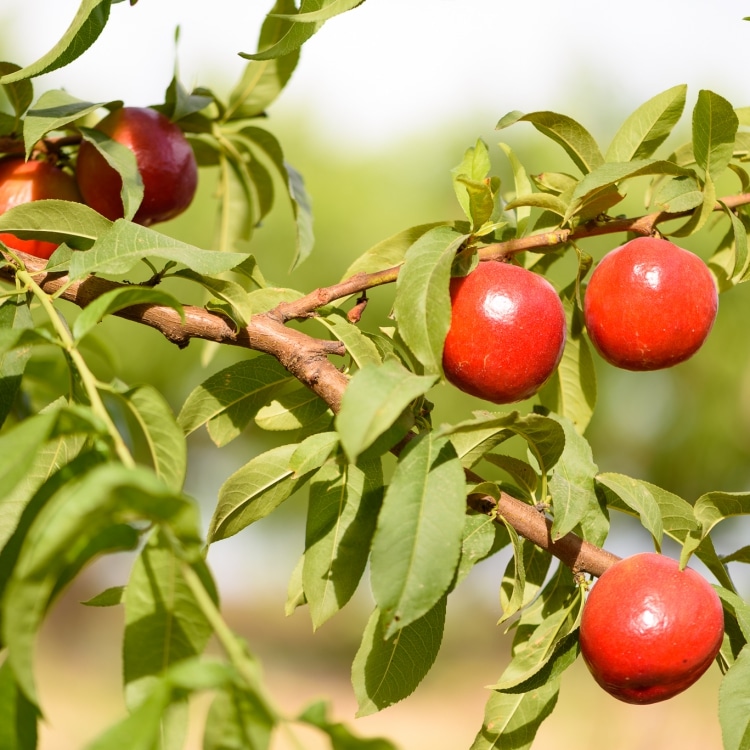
x=578, y=143
x=254, y=491
x=648, y=126
x=715, y=126
x=123, y=244
x=734, y=704
x=84, y=30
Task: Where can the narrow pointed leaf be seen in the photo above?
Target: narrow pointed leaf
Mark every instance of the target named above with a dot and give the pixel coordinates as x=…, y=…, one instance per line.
x=636, y=495
x=578, y=143
x=18, y=717
x=512, y=721
x=16, y=320
x=387, y=670
x=120, y=299
x=84, y=30
x=418, y=538
x=715, y=126
x=296, y=35
x=56, y=221
x=330, y=9
x=422, y=305
x=343, y=509
x=648, y=126
x=118, y=249
x=253, y=491
x=374, y=400
x=734, y=704
x=229, y=399
x=164, y=623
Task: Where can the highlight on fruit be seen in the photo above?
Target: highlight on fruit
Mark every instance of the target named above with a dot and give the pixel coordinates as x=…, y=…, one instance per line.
x=507, y=332
x=650, y=630
x=650, y=304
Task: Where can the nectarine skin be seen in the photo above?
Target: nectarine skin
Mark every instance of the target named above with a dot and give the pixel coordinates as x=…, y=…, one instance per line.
x=649, y=305
x=25, y=181
x=165, y=160
x=649, y=630
x=507, y=332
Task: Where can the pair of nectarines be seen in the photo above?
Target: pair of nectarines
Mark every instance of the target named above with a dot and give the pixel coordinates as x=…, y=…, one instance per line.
x=649, y=305
x=165, y=161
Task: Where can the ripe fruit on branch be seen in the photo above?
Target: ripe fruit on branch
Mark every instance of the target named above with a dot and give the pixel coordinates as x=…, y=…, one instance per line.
x=165, y=161
x=649, y=305
x=649, y=630
x=25, y=181
x=507, y=332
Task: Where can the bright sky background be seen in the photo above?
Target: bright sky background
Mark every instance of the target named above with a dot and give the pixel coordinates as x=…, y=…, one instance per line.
x=401, y=66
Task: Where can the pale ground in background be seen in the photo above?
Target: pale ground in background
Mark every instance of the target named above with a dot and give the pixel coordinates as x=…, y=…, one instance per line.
x=78, y=672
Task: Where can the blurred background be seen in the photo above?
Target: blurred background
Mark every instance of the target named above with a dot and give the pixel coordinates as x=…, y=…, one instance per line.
x=384, y=102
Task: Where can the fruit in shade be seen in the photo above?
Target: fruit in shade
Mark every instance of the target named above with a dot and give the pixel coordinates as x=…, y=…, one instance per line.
x=649, y=630
x=649, y=305
x=24, y=181
x=165, y=161
x=507, y=332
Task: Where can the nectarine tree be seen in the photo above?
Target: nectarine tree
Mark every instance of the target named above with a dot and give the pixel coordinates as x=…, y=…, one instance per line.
x=496, y=299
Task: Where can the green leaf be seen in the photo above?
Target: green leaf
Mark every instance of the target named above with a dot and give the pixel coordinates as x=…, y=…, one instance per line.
x=374, y=400
x=578, y=143
x=302, y=209
x=740, y=243
x=313, y=452
x=422, y=306
x=164, y=623
x=15, y=318
x=238, y=720
x=638, y=496
x=544, y=435
x=679, y=194
x=392, y=250
x=262, y=81
x=118, y=299
x=18, y=717
x=110, y=597
x=341, y=737
x=715, y=126
x=20, y=94
x=230, y=399
x=524, y=476
x=572, y=484
x=291, y=410
x=482, y=537
x=163, y=438
x=56, y=221
x=474, y=193
x=712, y=508
x=122, y=159
x=417, y=542
x=254, y=491
x=512, y=721
x=648, y=126
x=387, y=670
x=522, y=187
x=84, y=30
x=734, y=704
x=571, y=391
x=119, y=248
x=330, y=9
x=545, y=201
x=228, y=291
x=89, y=515
x=358, y=346
x=612, y=173
x=342, y=512
x=293, y=38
